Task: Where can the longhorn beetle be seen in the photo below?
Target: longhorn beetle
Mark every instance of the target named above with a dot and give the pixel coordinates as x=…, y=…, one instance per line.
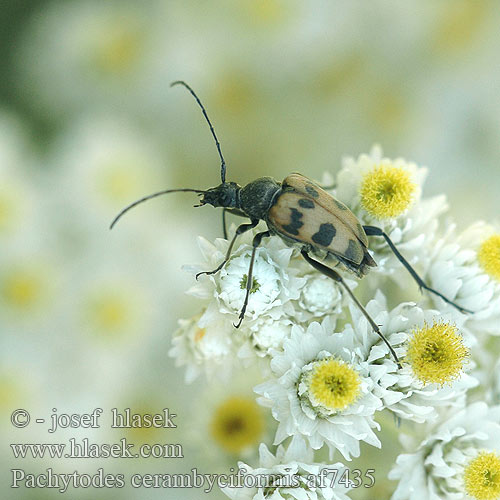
x=304, y=216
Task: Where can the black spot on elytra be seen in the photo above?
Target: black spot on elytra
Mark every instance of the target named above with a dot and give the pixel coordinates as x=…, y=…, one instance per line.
x=306, y=203
x=325, y=234
x=352, y=252
x=311, y=191
x=340, y=206
x=295, y=222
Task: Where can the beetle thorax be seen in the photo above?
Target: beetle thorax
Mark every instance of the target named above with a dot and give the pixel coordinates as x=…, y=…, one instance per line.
x=258, y=197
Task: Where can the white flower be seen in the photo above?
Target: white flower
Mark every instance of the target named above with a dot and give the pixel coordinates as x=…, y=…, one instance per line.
x=76, y=55
x=319, y=297
x=275, y=285
x=102, y=164
x=224, y=421
x=209, y=349
x=265, y=286
x=264, y=337
x=30, y=282
x=32, y=261
x=274, y=282
x=459, y=459
x=304, y=403
x=387, y=193
x=354, y=171
x=22, y=214
x=290, y=474
x=456, y=271
x=400, y=389
x=111, y=301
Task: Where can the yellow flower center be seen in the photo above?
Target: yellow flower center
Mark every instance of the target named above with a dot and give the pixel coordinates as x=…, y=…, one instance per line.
x=458, y=28
x=244, y=281
x=118, y=49
x=482, y=477
x=436, y=353
x=10, y=392
x=334, y=384
x=199, y=334
x=118, y=181
x=6, y=211
x=489, y=256
x=22, y=288
x=267, y=11
x=234, y=92
x=386, y=191
x=109, y=312
x=238, y=423
x=388, y=107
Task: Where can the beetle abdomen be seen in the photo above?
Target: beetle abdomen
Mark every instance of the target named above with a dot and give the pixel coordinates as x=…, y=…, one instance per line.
x=303, y=185
x=311, y=220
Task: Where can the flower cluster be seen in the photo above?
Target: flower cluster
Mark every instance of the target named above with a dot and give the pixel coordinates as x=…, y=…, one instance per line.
x=327, y=375
x=460, y=456
x=88, y=125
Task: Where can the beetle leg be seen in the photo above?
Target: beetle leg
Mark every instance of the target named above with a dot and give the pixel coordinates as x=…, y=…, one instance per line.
x=233, y=211
x=335, y=276
x=375, y=231
x=255, y=243
x=240, y=230
x=224, y=227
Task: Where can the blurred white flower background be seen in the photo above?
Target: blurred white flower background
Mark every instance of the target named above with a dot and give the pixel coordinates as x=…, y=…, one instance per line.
x=97, y=318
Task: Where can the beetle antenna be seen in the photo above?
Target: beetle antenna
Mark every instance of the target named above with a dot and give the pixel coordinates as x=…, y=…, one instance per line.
x=222, y=161
x=149, y=197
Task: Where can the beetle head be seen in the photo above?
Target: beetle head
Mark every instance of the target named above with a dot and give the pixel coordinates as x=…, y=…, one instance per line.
x=226, y=195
